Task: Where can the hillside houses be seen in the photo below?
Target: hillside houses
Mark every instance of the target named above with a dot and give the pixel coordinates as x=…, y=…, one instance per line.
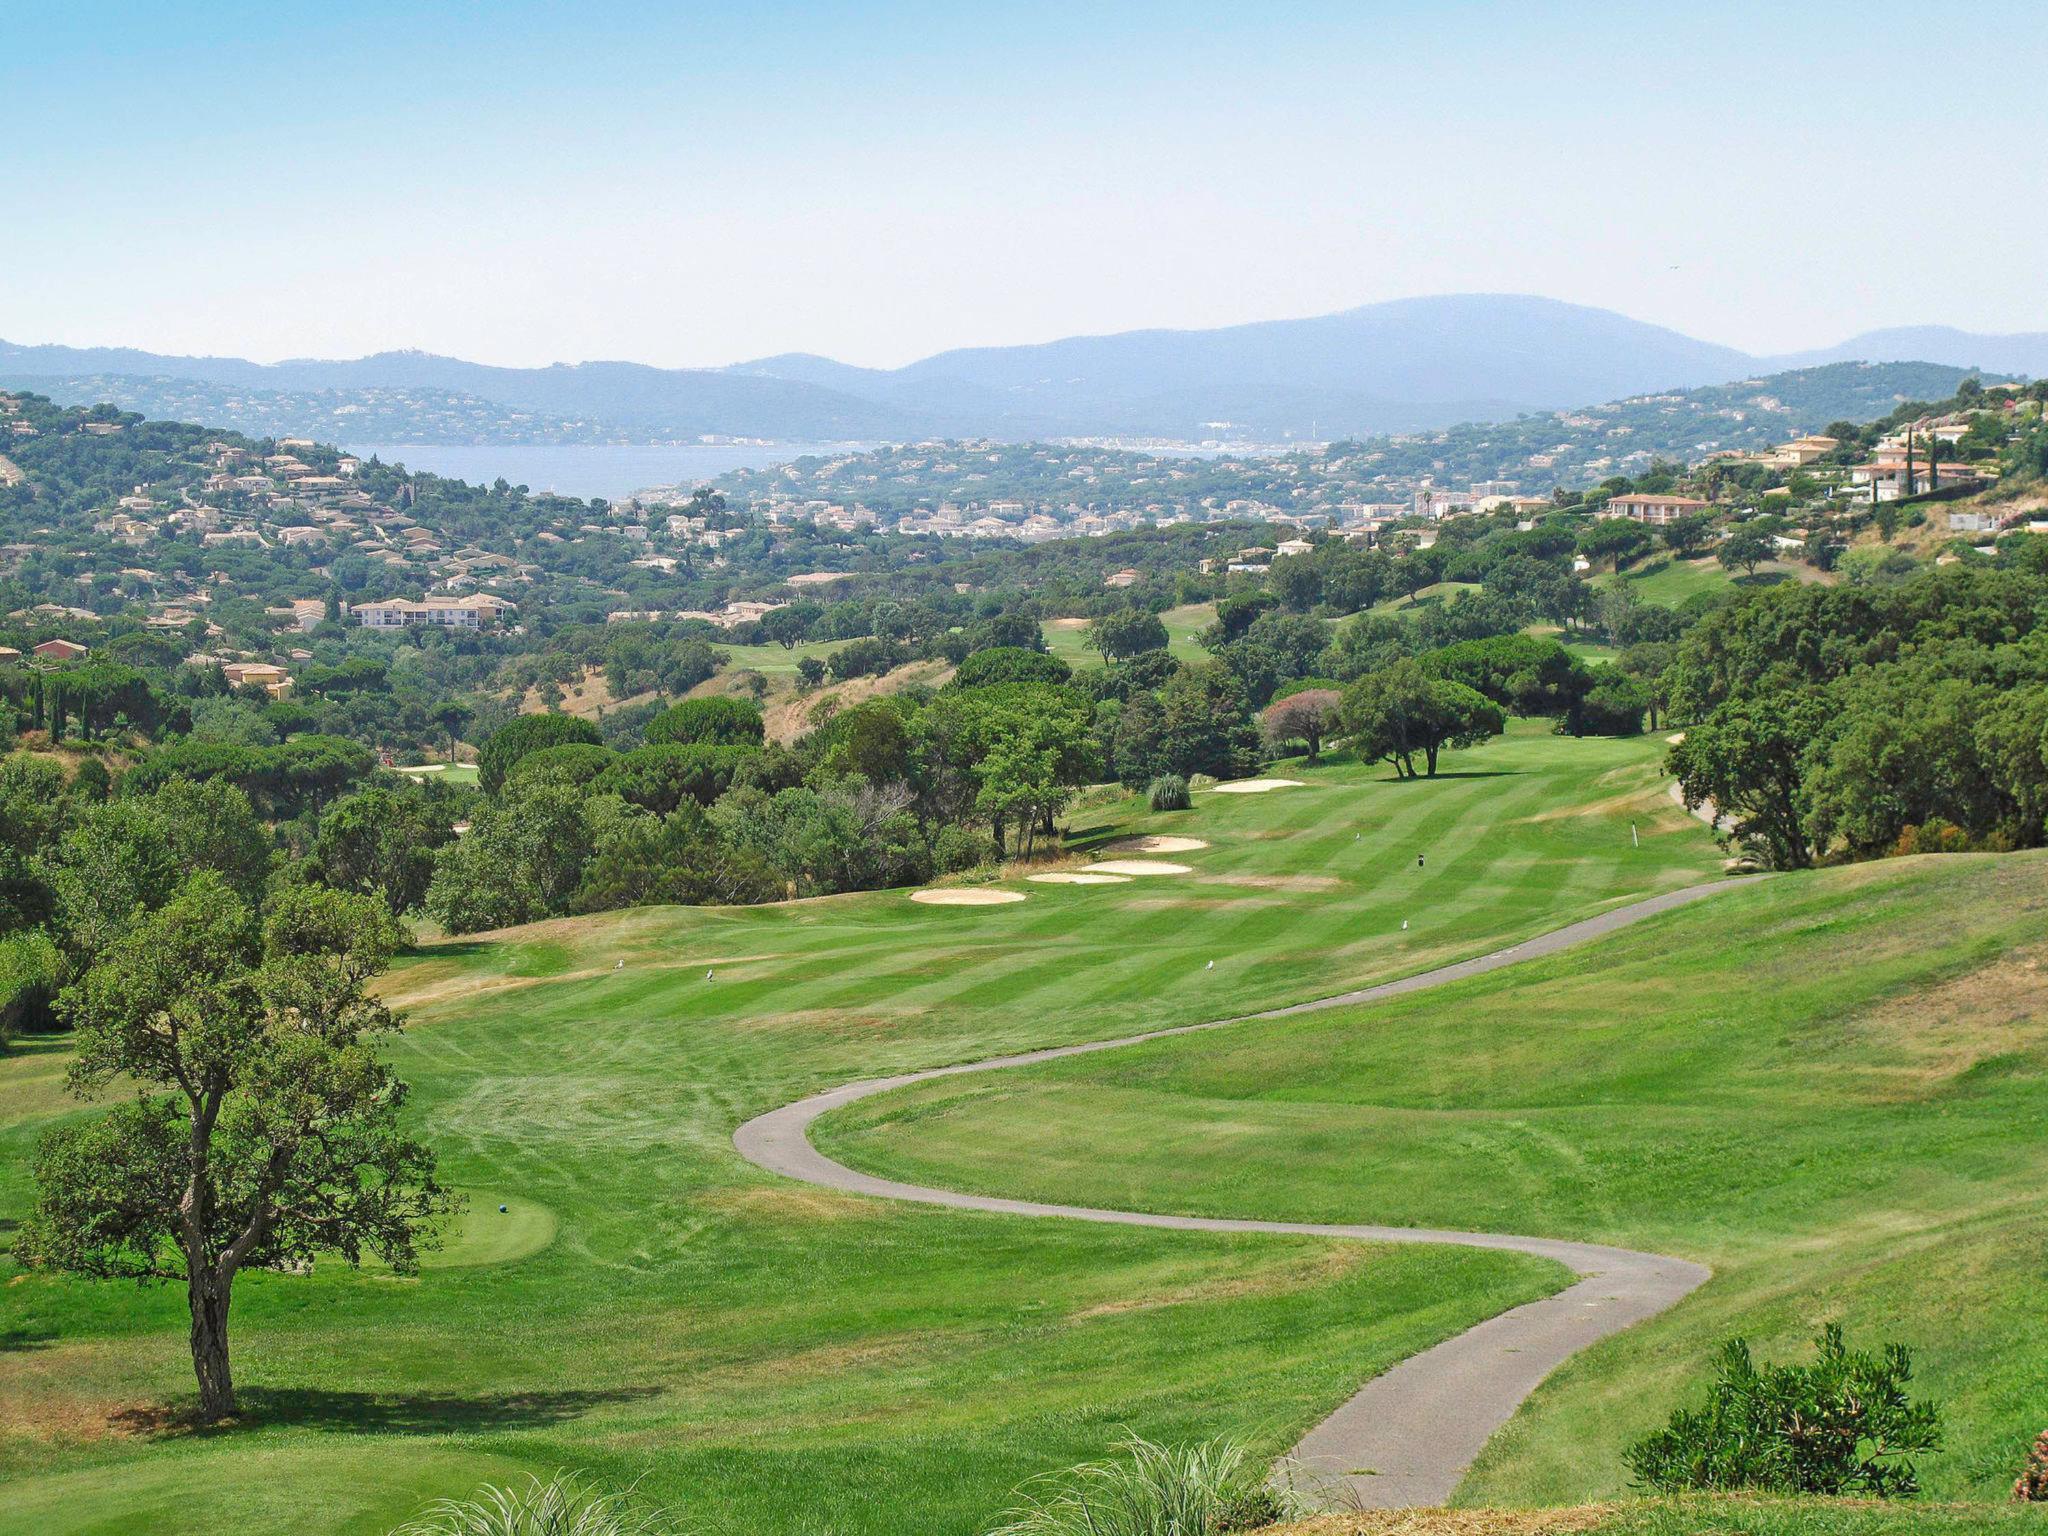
x=472, y=612
x=1657, y=511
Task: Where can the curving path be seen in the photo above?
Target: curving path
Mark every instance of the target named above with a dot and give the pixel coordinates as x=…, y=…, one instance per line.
x=1407, y=1436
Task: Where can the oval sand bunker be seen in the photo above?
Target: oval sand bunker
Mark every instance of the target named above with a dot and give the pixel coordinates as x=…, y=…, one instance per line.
x=966, y=898
x=1138, y=867
x=1079, y=877
x=1255, y=786
x=1154, y=844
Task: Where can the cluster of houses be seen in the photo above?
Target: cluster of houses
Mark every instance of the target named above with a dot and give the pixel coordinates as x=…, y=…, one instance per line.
x=283, y=500
x=271, y=678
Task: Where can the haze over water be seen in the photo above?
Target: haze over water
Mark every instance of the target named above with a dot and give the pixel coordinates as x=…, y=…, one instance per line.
x=610, y=470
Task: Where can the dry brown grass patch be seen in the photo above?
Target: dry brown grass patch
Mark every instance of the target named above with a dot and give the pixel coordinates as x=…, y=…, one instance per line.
x=1334, y=1263
x=1928, y=1038
x=1450, y=1522
x=1276, y=882
x=787, y=1204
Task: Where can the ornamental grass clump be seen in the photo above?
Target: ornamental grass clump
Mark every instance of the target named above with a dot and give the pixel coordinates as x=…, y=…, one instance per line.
x=1842, y=1425
x=561, y=1506
x=1169, y=792
x=1153, y=1490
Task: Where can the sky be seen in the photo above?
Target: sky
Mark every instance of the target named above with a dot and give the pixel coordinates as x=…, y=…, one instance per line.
x=692, y=185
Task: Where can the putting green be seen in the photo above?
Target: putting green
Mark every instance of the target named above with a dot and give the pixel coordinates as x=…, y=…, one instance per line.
x=482, y=1234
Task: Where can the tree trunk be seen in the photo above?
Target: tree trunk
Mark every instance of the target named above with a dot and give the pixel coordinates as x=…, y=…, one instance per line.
x=209, y=1300
x=1430, y=754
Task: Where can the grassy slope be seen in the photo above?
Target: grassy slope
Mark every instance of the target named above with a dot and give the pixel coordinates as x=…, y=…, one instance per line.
x=785, y=1357
x=1668, y=582
x=1831, y=1087
x=1068, y=638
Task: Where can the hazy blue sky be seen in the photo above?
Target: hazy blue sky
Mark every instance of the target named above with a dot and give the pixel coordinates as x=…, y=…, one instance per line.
x=695, y=184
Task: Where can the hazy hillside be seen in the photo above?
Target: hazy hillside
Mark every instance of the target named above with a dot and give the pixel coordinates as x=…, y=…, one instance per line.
x=1407, y=366
x=2025, y=353
x=1575, y=447
x=351, y=416
x=625, y=401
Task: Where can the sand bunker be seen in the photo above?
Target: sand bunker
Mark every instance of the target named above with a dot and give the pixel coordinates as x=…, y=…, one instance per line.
x=1139, y=867
x=1079, y=877
x=1154, y=844
x=966, y=898
x=1675, y=737
x=1255, y=786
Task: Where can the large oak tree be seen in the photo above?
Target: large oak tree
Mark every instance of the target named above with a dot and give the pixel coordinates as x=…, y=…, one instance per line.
x=264, y=1128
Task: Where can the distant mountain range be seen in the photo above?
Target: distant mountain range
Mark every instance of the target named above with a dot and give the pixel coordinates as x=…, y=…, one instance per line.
x=1408, y=365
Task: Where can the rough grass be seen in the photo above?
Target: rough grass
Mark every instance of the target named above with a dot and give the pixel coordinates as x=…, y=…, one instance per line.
x=780, y=1359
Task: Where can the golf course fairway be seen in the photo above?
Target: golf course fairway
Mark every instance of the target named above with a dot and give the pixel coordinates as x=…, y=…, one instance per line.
x=781, y=1358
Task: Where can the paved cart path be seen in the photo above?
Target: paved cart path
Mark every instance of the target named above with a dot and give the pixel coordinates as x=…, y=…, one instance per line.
x=1406, y=1437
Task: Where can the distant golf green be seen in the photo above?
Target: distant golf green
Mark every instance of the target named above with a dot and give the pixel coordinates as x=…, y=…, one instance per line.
x=1667, y=582
x=781, y=1359
x=1831, y=1087
x=773, y=659
x=1068, y=638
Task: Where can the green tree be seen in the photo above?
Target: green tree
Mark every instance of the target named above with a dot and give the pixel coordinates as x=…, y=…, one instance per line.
x=1747, y=759
x=528, y=733
x=1403, y=713
x=1010, y=664
x=718, y=721
x=785, y=626
x=380, y=841
x=1745, y=549
x=265, y=1130
x=451, y=715
x=1127, y=632
x=1524, y=674
x=1688, y=535
x=1615, y=539
x=1205, y=725
x=521, y=859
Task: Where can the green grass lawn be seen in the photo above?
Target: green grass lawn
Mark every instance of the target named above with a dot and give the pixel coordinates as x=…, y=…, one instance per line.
x=1668, y=582
x=1831, y=1087
x=781, y=1358
x=774, y=660
x=1445, y=590
x=1068, y=638
x=443, y=773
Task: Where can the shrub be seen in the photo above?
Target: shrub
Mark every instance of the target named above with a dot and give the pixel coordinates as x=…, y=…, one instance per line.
x=957, y=848
x=1153, y=1490
x=1935, y=835
x=561, y=1506
x=719, y=722
x=1169, y=792
x=1842, y=1425
x=2032, y=1486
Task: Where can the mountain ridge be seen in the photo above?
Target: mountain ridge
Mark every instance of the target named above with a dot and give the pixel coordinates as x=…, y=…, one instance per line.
x=1402, y=365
